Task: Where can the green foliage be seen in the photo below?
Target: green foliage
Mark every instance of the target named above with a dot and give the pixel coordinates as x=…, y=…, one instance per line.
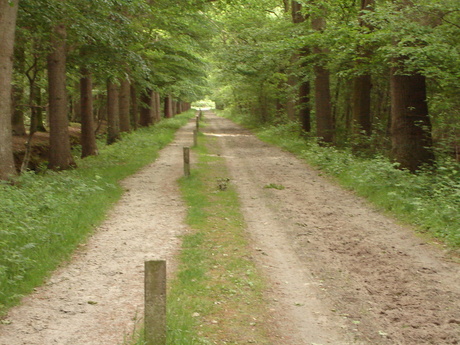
x=44, y=217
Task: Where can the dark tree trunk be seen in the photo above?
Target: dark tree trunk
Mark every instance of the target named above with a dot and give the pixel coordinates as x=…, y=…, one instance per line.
x=113, y=121
x=8, y=13
x=168, y=107
x=361, y=105
x=88, y=130
x=156, y=104
x=362, y=84
x=125, y=100
x=134, y=107
x=302, y=111
x=410, y=123
x=146, y=119
x=60, y=157
x=323, y=107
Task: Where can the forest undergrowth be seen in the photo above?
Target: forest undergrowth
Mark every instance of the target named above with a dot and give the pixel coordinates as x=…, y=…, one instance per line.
x=45, y=216
x=429, y=199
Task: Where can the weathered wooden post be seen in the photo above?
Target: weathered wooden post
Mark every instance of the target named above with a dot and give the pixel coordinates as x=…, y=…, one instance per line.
x=155, y=303
x=195, y=138
x=197, y=123
x=187, y=161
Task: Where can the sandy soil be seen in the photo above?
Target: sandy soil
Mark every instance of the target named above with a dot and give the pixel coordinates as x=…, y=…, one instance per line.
x=339, y=272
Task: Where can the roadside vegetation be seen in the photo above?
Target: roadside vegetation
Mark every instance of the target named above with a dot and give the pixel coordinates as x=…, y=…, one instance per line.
x=429, y=199
x=45, y=216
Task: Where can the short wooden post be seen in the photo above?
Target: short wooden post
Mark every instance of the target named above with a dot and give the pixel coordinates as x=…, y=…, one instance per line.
x=187, y=161
x=195, y=138
x=155, y=303
x=197, y=123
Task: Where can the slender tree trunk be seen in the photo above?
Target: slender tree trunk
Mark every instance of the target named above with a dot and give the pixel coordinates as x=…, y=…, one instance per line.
x=361, y=104
x=156, y=104
x=168, y=107
x=8, y=13
x=88, y=128
x=125, y=100
x=60, y=157
x=410, y=123
x=113, y=120
x=134, y=107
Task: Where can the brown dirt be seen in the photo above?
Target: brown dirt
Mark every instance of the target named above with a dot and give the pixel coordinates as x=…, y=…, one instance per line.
x=339, y=272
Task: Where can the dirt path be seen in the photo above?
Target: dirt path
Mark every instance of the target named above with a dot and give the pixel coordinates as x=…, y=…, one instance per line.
x=98, y=298
x=340, y=272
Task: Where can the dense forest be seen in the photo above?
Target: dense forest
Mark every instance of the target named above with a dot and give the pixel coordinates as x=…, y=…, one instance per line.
x=377, y=76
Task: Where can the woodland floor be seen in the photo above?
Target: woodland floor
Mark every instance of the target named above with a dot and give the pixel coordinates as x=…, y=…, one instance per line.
x=339, y=271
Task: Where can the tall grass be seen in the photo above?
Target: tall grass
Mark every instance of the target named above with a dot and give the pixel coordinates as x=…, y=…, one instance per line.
x=43, y=217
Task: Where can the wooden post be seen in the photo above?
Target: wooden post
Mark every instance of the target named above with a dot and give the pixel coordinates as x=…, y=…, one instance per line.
x=187, y=161
x=195, y=138
x=155, y=303
x=197, y=123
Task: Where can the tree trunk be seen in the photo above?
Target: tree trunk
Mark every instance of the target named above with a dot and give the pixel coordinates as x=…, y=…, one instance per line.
x=410, y=123
x=156, y=104
x=145, y=119
x=8, y=13
x=113, y=120
x=361, y=104
x=125, y=100
x=302, y=111
x=60, y=157
x=168, y=107
x=362, y=84
x=134, y=107
x=323, y=107
x=88, y=130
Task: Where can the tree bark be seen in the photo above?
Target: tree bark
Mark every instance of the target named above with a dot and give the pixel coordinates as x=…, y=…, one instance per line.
x=323, y=107
x=134, y=107
x=410, y=123
x=60, y=157
x=362, y=84
x=88, y=128
x=125, y=100
x=145, y=119
x=156, y=104
x=113, y=120
x=8, y=14
x=168, y=107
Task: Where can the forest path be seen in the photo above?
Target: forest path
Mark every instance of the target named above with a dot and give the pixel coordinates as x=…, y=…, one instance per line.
x=97, y=298
x=338, y=271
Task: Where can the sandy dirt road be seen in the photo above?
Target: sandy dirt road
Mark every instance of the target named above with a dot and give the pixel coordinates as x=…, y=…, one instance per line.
x=338, y=271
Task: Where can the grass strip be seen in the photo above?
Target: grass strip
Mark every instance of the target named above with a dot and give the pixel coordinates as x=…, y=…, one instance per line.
x=217, y=295
x=44, y=217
